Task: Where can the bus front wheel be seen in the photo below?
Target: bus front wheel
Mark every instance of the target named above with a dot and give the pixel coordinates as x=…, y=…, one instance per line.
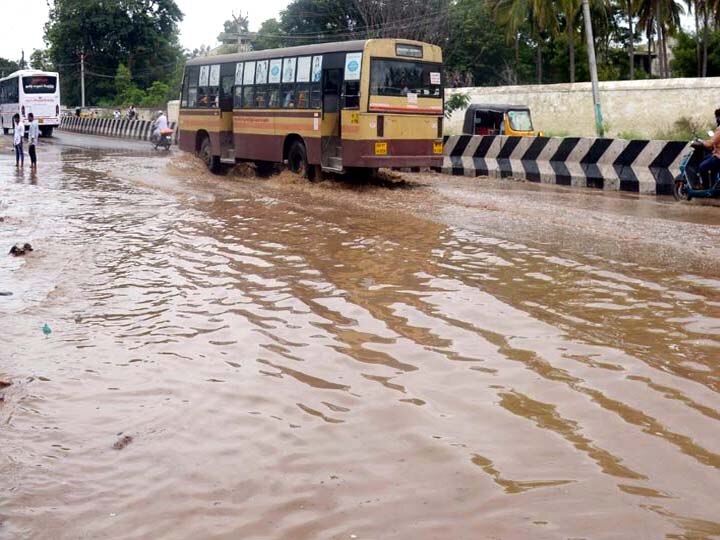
x=297, y=161
x=212, y=162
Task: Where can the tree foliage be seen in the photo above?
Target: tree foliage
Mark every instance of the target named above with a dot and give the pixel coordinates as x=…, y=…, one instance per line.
x=141, y=34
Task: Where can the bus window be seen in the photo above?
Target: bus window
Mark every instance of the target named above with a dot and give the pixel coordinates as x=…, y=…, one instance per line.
x=248, y=100
x=237, y=101
x=39, y=84
x=274, y=96
x=403, y=77
x=192, y=76
x=227, y=81
x=351, y=95
x=289, y=101
x=192, y=97
x=303, y=95
x=261, y=93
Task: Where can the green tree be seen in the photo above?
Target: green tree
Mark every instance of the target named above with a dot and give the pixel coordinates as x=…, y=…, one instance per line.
x=313, y=21
x=539, y=15
x=8, y=66
x=479, y=47
x=142, y=34
x=269, y=36
x=156, y=95
x=40, y=59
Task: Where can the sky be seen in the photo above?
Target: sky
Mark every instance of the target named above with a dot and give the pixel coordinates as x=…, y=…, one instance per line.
x=202, y=23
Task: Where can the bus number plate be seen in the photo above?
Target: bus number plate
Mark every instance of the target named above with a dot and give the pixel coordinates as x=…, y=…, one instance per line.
x=381, y=149
x=437, y=148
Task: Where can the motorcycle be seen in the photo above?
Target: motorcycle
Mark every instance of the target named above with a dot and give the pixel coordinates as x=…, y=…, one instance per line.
x=162, y=139
x=689, y=183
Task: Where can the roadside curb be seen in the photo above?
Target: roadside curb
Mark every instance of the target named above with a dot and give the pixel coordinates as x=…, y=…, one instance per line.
x=610, y=164
x=111, y=127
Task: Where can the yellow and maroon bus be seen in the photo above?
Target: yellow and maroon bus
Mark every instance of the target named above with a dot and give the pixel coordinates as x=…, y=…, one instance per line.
x=333, y=106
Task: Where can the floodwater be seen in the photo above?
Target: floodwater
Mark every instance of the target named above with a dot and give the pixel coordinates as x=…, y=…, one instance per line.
x=415, y=358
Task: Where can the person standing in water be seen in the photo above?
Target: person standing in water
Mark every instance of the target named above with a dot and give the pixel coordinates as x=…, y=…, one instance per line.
x=18, y=133
x=33, y=136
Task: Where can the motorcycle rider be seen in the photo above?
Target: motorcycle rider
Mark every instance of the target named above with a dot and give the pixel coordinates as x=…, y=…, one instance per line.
x=710, y=166
x=161, y=124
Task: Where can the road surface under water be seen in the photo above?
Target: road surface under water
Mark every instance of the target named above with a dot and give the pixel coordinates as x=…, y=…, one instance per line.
x=420, y=358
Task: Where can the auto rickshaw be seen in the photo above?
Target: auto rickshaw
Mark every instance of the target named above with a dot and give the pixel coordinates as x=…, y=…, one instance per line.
x=510, y=120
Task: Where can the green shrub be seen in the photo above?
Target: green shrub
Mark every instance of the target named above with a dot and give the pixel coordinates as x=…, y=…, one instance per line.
x=683, y=129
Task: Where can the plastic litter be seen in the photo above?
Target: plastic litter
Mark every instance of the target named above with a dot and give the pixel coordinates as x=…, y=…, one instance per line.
x=46, y=330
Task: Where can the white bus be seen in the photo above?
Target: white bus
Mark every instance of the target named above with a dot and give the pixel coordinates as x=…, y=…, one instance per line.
x=30, y=91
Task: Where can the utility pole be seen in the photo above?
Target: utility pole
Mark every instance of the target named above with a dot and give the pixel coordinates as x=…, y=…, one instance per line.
x=82, y=79
x=593, y=69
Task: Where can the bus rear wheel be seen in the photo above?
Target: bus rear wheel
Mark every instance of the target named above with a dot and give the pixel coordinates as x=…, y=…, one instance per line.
x=297, y=161
x=212, y=162
x=46, y=131
x=6, y=131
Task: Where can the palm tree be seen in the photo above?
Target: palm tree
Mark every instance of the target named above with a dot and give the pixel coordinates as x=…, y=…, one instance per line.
x=570, y=9
x=659, y=18
x=540, y=14
x=630, y=11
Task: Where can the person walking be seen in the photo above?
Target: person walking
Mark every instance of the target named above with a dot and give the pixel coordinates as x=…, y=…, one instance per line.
x=33, y=137
x=18, y=133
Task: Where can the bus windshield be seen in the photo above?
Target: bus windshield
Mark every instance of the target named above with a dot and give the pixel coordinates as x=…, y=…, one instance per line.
x=39, y=84
x=403, y=77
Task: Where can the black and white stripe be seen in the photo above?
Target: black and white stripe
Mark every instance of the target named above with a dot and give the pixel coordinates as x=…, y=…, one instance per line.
x=610, y=164
x=111, y=127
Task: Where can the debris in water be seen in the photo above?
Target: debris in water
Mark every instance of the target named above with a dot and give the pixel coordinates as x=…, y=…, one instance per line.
x=46, y=330
x=20, y=249
x=122, y=442
x=4, y=384
x=5, y=293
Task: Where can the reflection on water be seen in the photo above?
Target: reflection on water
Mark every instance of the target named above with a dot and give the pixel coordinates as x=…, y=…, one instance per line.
x=322, y=361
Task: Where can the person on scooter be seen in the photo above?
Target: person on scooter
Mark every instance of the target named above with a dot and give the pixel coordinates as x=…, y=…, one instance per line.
x=161, y=124
x=710, y=166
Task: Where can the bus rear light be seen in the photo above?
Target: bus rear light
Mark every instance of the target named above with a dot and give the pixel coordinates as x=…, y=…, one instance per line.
x=22, y=111
x=440, y=128
x=380, y=126
x=57, y=110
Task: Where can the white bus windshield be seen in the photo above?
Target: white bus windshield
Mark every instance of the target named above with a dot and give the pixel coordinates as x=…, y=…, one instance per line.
x=39, y=84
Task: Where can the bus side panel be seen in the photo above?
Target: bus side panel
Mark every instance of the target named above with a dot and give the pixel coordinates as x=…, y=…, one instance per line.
x=303, y=123
x=194, y=121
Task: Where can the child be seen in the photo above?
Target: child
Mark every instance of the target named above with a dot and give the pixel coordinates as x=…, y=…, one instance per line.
x=33, y=136
x=18, y=133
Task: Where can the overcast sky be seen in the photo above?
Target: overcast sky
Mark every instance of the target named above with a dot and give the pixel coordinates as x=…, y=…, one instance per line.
x=23, y=21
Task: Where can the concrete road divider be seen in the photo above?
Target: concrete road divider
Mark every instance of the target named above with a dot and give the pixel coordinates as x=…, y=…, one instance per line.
x=110, y=127
x=610, y=164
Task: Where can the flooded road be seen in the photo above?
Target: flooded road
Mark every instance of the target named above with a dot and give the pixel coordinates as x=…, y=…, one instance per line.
x=420, y=358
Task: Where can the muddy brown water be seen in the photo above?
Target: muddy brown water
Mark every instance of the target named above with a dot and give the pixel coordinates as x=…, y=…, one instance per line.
x=442, y=358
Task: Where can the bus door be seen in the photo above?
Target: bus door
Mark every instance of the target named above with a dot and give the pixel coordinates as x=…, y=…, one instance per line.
x=330, y=130
x=227, y=87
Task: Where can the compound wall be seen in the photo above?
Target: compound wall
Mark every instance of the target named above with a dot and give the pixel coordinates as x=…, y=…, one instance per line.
x=645, y=108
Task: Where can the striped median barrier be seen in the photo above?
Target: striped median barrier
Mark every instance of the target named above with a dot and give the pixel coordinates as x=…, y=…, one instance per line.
x=111, y=127
x=609, y=164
